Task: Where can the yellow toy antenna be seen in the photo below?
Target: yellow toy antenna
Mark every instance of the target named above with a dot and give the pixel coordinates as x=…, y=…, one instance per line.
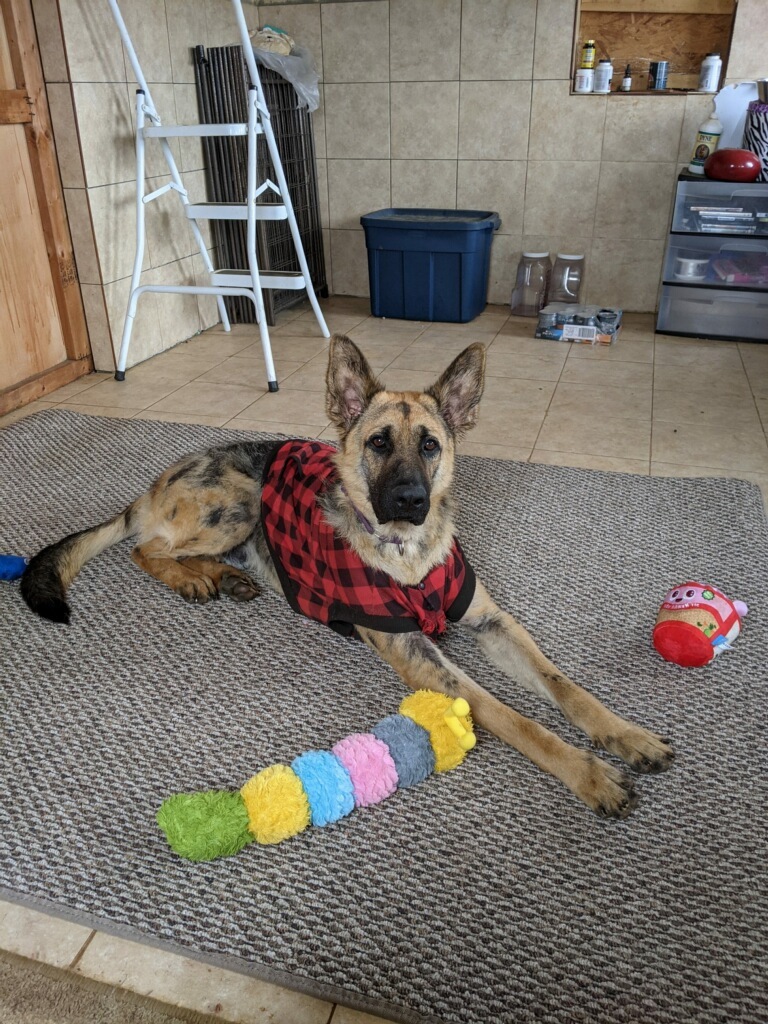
x=460, y=708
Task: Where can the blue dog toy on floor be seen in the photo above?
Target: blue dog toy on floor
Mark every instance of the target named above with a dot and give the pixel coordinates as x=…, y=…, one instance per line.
x=12, y=567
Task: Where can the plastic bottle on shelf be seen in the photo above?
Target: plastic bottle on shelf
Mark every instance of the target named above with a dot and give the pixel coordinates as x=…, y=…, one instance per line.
x=588, y=54
x=603, y=76
x=707, y=138
x=585, y=80
x=531, y=284
x=709, y=76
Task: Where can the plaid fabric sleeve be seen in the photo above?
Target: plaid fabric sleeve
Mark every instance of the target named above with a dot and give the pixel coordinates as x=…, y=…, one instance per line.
x=460, y=585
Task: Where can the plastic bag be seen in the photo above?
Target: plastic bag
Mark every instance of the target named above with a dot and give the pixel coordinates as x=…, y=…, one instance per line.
x=299, y=69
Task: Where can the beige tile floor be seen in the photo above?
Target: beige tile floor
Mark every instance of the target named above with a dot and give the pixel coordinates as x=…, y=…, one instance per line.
x=649, y=404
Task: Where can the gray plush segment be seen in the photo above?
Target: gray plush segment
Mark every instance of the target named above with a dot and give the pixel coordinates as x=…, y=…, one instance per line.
x=485, y=894
x=409, y=746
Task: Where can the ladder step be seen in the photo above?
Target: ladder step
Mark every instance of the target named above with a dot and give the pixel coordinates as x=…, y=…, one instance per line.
x=235, y=211
x=168, y=131
x=283, y=279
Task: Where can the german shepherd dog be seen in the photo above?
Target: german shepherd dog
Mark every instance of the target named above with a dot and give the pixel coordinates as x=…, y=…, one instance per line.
x=395, y=468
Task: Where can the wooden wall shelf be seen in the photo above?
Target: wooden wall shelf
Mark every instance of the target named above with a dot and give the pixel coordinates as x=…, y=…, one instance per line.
x=636, y=32
x=659, y=6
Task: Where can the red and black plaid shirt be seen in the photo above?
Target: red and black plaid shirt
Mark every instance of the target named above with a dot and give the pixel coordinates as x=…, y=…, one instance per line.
x=324, y=579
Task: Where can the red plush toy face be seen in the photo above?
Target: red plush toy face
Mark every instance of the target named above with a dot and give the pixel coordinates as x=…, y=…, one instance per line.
x=694, y=623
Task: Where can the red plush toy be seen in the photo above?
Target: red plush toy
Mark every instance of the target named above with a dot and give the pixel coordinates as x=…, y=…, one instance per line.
x=695, y=623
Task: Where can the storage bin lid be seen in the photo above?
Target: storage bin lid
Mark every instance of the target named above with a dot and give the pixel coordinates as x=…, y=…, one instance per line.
x=433, y=220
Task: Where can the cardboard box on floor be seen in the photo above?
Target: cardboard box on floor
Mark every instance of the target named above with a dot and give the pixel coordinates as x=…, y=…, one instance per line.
x=583, y=324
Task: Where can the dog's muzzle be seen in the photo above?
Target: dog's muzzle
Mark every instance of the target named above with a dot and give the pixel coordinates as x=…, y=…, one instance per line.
x=407, y=502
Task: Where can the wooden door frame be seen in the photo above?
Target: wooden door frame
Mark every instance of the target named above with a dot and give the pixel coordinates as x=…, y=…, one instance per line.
x=28, y=71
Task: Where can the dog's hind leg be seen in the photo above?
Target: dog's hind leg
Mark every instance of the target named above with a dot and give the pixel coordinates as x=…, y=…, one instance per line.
x=510, y=647
x=193, y=586
x=228, y=580
x=423, y=666
x=196, y=578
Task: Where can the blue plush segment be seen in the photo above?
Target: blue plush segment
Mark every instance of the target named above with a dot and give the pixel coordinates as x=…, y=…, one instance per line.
x=327, y=784
x=409, y=746
x=11, y=567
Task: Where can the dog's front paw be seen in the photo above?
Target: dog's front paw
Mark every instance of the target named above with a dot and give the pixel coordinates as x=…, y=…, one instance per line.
x=605, y=789
x=643, y=750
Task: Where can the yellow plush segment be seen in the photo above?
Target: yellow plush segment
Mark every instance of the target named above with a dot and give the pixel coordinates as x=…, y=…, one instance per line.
x=427, y=709
x=276, y=803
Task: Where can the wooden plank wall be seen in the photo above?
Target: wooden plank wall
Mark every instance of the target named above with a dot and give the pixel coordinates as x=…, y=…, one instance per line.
x=43, y=335
x=31, y=337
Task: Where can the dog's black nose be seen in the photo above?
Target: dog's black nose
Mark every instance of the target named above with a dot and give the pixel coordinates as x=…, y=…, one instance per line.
x=409, y=499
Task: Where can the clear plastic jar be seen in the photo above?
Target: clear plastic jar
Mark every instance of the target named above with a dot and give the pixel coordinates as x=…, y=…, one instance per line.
x=567, y=276
x=531, y=284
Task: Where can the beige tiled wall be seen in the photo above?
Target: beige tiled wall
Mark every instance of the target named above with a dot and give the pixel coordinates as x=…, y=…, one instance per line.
x=91, y=92
x=443, y=103
x=466, y=104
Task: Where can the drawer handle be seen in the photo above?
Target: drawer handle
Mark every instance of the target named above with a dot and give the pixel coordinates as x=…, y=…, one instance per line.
x=744, y=247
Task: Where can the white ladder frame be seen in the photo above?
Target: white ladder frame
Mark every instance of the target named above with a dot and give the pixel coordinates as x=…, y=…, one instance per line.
x=248, y=284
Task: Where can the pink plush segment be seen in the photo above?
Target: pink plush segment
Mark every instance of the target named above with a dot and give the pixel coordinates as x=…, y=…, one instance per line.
x=370, y=766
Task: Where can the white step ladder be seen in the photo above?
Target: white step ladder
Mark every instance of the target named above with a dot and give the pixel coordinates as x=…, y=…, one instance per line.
x=247, y=283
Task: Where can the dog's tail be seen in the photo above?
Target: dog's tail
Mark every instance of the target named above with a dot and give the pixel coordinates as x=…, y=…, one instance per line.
x=49, y=574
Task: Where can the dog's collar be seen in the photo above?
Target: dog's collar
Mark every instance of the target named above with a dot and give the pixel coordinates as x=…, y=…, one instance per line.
x=368, y=525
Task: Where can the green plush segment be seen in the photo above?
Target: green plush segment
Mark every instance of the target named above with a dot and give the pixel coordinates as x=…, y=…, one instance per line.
x=203, y=826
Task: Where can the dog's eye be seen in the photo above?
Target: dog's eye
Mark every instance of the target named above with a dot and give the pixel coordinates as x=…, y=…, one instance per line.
x=378, y=442
x=430, y=445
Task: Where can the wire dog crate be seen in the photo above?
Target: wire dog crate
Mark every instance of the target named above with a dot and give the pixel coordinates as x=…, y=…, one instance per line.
x=222, y=84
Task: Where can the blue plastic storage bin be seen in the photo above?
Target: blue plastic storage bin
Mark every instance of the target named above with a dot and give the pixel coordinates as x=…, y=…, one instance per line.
x=429, y=264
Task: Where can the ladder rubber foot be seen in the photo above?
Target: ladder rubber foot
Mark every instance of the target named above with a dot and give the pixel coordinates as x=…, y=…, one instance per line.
x=272, y=385
x=119, y=374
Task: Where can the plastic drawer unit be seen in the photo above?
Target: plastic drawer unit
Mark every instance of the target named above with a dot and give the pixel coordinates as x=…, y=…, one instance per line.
x=429, y=264
x=715, y=276
x=714, y=313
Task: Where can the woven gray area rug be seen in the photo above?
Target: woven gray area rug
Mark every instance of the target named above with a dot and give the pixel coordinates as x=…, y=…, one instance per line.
x=488, y=894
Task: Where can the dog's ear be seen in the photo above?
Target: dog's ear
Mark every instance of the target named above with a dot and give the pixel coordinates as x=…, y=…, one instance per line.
x=460, y=388
x=350, y=382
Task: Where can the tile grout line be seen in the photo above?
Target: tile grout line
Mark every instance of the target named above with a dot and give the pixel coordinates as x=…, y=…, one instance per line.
x=551, y=399
x=763, y=424
x=653, y=400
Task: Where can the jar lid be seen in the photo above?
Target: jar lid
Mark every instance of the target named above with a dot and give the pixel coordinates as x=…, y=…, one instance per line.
x=567, y=256
x=604, y=60
x=535, y=255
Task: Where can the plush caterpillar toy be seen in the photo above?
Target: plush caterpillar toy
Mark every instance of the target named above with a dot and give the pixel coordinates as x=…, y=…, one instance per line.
x=432, y=732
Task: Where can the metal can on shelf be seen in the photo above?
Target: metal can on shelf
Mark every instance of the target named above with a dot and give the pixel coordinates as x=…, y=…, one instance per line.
x=657, y=74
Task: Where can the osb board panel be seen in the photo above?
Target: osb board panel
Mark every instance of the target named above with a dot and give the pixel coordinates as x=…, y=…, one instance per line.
x=637, y=39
